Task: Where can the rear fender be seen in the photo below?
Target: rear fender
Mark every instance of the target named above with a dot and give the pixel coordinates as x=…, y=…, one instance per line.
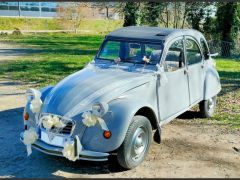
x=212, y=85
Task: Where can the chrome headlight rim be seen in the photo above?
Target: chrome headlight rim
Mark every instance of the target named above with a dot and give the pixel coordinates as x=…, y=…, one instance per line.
x=32, y=94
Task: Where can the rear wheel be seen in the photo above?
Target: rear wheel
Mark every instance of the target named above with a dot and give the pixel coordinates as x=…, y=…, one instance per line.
x=207, y=107
x=136, y=143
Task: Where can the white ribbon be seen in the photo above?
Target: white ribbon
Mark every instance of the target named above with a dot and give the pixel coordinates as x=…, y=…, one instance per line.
x=35, y=105
x=29, y=149
x=36, y=102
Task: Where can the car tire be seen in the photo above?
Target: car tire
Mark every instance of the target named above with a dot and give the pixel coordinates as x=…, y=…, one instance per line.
x=136, y=143
x=207, y=107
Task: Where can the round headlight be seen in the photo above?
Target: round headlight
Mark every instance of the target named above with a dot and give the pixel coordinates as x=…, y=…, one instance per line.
x=99, y=109
x=32, y=94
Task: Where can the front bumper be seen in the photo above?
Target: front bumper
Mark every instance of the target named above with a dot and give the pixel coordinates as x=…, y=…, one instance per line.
x=57, y=151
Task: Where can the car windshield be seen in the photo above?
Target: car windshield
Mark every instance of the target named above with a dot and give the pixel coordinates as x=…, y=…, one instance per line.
x=134, y=52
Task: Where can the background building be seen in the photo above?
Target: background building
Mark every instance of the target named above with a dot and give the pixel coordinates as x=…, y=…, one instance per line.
x=28, y=9
x=49, y=9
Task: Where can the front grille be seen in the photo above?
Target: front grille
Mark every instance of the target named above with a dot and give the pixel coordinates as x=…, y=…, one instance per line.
x=67, y=130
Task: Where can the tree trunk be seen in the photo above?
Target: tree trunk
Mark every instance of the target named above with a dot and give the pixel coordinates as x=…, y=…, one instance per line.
x=107, y=12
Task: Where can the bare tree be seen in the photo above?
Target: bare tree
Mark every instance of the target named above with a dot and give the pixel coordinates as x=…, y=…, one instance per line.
x=71, y=14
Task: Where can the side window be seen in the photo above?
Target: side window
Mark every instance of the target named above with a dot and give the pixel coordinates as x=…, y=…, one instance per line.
x=175, y=57
x=204, y=49
x=193, y=53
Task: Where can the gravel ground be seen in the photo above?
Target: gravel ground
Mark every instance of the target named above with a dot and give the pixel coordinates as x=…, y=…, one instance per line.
x=188, y=149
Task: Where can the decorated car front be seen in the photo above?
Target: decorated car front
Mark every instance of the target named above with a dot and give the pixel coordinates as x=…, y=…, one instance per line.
x=53, y=134
x=59, y=122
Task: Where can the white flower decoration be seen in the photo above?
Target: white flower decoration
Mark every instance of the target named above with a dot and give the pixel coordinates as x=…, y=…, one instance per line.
x=47, y=122
x=117, y=60
x=89, y=119
x=58, y=123
x=145, y=59
x=50, y=121
x=69, y=150
x=29, y=136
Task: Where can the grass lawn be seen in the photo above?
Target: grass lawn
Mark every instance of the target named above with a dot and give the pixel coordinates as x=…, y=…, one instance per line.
x=64, y=54
x=10, y=23
x=228, y=111
x=95, y=26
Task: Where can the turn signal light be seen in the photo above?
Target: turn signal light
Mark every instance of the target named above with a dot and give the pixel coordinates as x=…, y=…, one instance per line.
x=107, y=134
x=26, y=116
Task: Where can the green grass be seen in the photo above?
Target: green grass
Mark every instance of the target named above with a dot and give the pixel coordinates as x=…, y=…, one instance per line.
x=100, y=26
x=228, y=109
x=62, y=54
x=94, y=26
x=28, y=23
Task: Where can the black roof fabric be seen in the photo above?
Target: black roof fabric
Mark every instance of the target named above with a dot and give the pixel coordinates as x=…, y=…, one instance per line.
x=144, y=32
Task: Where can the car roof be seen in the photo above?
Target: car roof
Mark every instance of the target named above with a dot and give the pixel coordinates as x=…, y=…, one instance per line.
x=151, y=33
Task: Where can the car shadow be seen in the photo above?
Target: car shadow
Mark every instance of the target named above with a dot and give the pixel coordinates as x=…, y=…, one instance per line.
x=189, y=115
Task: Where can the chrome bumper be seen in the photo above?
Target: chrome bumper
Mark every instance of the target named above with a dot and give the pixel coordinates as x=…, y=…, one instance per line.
x=57, y=151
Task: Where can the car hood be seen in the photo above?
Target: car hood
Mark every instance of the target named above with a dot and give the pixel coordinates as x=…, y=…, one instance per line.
x=77, y=92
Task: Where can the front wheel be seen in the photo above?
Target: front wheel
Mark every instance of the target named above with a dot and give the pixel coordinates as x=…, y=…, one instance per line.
x=207, y=107
x=136, y=143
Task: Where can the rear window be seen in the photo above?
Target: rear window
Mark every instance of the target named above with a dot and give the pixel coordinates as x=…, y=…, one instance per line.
x=204, y=49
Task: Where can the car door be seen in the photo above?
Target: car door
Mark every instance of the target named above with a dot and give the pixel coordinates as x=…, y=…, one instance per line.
x=195, y=69
x=173, y=95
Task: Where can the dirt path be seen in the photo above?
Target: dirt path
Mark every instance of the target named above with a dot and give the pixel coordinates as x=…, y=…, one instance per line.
x=188, y=149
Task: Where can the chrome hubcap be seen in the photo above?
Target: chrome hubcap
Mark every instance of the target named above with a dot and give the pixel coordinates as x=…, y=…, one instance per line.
x=139, y=143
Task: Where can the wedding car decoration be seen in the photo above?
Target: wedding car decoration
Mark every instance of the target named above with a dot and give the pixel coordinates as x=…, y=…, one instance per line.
x=140, y=79
x=35, y=100
x=71, y=149
x=90, y=118
x=29, y=137
x=51, y=121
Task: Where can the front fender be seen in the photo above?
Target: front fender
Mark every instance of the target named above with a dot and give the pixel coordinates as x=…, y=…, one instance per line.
x=121, y=112
x=44, y=91
x=212, y=84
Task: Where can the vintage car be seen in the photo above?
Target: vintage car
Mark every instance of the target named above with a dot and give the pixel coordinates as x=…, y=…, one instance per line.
x=140, y=79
